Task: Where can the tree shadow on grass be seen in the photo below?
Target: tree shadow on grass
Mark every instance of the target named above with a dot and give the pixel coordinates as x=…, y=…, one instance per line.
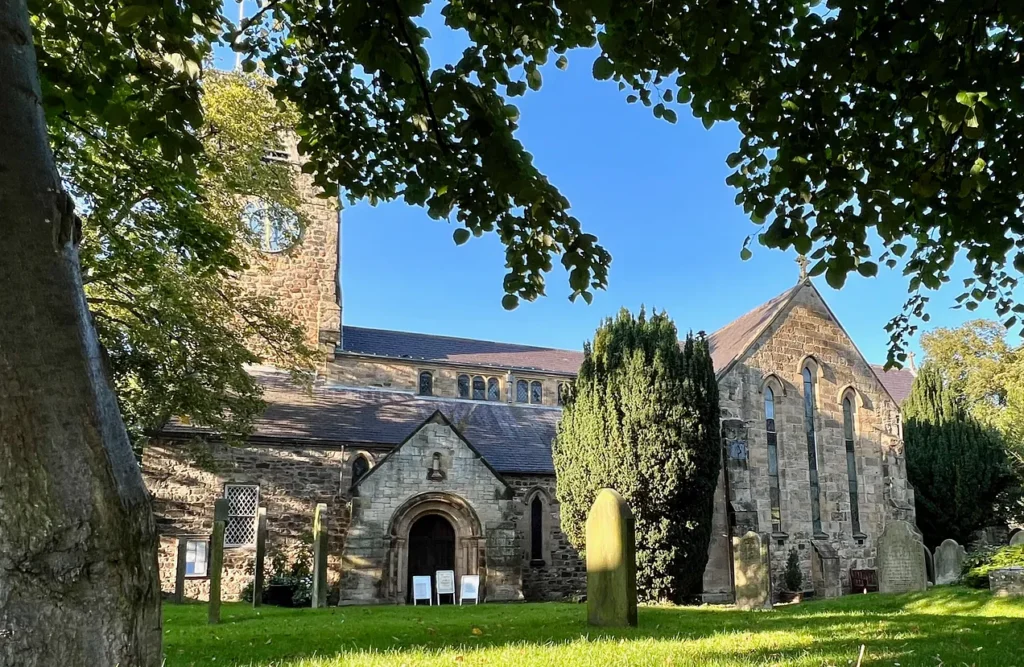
x=906, y=629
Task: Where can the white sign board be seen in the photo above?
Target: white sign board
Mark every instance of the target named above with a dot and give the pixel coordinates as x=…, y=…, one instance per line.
x=470, y=588
x=421, y=590
x=445, y=582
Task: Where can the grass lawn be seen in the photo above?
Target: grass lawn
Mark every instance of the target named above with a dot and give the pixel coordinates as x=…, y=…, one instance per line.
x=945, y=627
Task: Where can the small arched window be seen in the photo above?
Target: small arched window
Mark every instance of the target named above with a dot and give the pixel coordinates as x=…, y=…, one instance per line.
x=812, y=450
x=560, y=391
x=479, y=388
x=772, y=436
x=426, y=383
x=537, y=530
x=463, y=386
x=360, y=466
x=522, y=391
x=536, y=392
x=493, y=390
x=851, y=463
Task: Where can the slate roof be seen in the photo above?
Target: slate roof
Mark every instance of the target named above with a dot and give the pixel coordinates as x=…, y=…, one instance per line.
x=896, y=381
x=732, y=340
x=513, y=438
x=427, y=347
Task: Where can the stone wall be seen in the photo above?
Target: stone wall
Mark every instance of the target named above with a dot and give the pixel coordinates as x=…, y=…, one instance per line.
x=806, y=332
x=185, y=479
x=303, y=278
x=460, y=487
x=561, y=574
x=354, y=370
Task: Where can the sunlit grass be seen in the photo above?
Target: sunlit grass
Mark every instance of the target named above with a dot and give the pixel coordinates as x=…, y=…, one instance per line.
x=944, y=627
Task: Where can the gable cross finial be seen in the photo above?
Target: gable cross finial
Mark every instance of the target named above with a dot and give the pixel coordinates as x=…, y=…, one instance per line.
x=802, y=262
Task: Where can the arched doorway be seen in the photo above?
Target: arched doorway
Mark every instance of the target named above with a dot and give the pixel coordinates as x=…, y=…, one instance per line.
x=431, y=548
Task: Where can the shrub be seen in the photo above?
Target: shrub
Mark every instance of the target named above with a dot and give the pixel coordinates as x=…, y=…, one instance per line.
x=288, y=583
x=642, y=418
x=794, y=578
x=979, y=564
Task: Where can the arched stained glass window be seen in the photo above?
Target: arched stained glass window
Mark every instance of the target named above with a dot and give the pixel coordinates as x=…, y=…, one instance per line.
x=851, y=464
x=537, y=529
x=773, y=460
x=479, y=388
x=426, y=383
x=522, y=391
x=536, y=392
x=463, y=386
x=812, y=450
x=493, y=390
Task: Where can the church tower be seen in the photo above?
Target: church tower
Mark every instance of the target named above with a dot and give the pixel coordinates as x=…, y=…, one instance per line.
x=299, y=265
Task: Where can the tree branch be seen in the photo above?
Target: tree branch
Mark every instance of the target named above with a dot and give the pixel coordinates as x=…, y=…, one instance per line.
x=421, y=78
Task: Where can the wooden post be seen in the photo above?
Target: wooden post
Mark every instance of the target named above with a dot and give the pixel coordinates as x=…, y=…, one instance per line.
x=261, y=554
x=179, y=571
x=320, y=556
x=220, y=519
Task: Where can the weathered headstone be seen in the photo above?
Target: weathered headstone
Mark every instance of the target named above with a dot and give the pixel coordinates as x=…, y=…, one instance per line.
x=991, y=536
x=1007, y=582
x=1017, y=539
x=949, y=560
x=220, y=519
x=752, y=572
x=179, y=570
x=901, y=565
x=320, y=556
x=825, y=571
x=261, y=556
x=611, y=562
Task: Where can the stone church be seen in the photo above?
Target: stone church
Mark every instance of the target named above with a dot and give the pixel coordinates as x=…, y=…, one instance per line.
x=434, y=452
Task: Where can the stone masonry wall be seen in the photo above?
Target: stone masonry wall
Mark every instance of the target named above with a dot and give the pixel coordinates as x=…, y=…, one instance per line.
x=561, y=574
x=805, y=330
x=357, y=371
x=371, y=561
x=185, y=479
x=303, y=278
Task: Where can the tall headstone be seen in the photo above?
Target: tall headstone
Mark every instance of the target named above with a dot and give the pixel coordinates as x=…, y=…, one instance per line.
x=1017, y=539
x=220, y=519
x=320, y=556
x=261, y=556
x=949, y=561
x=901, y=565
x=752, y=572
x=825, y=571
x=179, y=570
x=611, y=561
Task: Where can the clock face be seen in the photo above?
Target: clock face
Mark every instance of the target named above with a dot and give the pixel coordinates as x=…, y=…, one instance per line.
x=274, y=228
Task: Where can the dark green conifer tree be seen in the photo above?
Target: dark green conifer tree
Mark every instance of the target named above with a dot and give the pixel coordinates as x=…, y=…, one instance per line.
x=959, y=469
x=642, y=418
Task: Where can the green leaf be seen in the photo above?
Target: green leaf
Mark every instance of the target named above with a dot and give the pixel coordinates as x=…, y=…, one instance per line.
x=745, y=254
x=835, y=277
x=734, y=160
x=867, y=269
x=603, y=68
x=562, y=62
x=669, y=115
x=510, y=302
x=128, y=16
x=534, y=79
x=461, y=235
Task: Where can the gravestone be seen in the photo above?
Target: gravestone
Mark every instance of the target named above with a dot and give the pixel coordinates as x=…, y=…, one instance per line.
x=1007, y=582
x=1017, y=539
x=261, y=556
x=220, y=519
x=752, y=572
x=320, y=556
x=825, y=571
x=929, y=566
x=611, y=561
x=179, y=570
x=901, y=565
x=949, y=560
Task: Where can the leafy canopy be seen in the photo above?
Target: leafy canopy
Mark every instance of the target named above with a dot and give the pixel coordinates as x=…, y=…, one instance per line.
x=872, y=132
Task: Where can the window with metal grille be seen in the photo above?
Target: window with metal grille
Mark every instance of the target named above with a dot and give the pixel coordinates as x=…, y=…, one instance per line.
x=196, y=557
x=493, y=390
x=536, y=392
x=426, y=383
x=479, y=388
x=851, y=464
x=463, y=386
x=243, y=499
x=773, y=460
x=812, y=450
x=522, y=391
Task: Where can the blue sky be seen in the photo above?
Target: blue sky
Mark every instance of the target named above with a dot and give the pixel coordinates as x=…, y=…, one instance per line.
x=655, y=196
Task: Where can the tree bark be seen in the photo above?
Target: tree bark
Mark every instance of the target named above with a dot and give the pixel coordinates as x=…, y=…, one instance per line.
x=78, y=572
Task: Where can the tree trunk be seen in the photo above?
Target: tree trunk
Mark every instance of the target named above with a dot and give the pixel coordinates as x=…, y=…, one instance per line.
x=78, y=574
